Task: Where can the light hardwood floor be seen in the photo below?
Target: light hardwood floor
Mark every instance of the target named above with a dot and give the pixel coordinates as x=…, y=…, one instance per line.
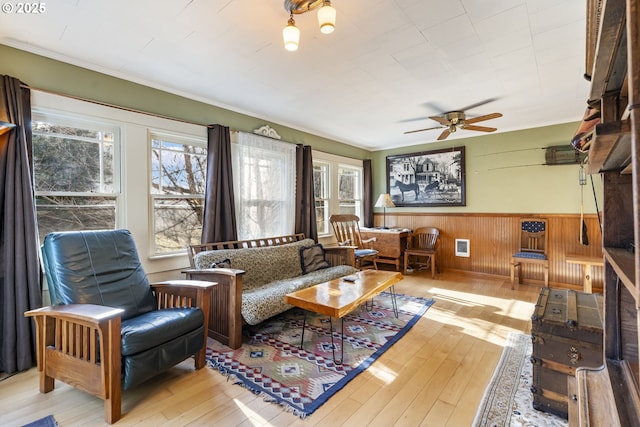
x=434, y=376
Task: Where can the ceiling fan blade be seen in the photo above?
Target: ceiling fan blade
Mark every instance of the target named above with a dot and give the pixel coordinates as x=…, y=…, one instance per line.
x=443, y=121
x=482, y=118
x=478, y=128
x=422, y=130
x=434, y=107
x=478, y=104
x=413, y=119
x=445, y=133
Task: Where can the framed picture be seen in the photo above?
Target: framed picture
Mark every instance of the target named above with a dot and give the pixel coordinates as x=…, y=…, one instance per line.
x=429, y=178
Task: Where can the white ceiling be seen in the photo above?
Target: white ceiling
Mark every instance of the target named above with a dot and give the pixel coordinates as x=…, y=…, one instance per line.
x=388, y=65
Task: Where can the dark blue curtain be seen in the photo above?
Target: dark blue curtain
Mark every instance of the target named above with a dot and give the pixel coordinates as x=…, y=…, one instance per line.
x=20, y=284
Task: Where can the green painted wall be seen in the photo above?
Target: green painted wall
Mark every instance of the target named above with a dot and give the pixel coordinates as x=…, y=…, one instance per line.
x=493, y=185
x=505, y=173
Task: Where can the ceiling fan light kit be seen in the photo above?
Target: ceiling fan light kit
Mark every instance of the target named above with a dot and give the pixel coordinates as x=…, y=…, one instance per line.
x=326, y=19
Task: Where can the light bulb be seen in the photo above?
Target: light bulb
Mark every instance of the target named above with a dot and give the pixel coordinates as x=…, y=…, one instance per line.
x=327, y=18
x=291, y=35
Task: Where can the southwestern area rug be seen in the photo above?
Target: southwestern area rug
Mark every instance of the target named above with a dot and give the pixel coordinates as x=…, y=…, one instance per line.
x=507, y=400
x=271, y=363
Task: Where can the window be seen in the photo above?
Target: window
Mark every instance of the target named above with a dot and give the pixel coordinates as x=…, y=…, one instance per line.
x=264, y=175
x=350, y=189
x=76, y=173
x=337, y=183
x=178, y=179
x=321, y=193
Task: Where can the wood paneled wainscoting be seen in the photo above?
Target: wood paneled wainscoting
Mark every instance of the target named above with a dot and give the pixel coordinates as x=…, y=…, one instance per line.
x=495, y=237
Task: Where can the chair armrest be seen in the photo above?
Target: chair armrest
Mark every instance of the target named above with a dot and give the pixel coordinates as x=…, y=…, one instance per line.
x=340, y=255
x=370, y=240
x=184, y=293
x=211, y=273
x=79, y=344
x=88, y=313
x=184, y=284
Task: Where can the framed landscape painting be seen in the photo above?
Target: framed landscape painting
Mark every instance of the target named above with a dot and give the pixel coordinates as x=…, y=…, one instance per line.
x=429, y=178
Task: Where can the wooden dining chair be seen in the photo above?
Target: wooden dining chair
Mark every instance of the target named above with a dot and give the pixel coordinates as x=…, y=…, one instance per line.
x=423, y=244
x=533, y=248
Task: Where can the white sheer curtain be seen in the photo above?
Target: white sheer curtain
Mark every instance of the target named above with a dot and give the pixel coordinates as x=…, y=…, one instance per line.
x=264, y=176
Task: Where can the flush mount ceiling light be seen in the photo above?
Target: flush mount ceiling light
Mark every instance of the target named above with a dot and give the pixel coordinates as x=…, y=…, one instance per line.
x=326, y=19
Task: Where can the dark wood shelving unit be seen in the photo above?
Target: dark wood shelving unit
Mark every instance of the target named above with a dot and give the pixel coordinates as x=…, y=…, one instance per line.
x=611, y=147
x=610, y=395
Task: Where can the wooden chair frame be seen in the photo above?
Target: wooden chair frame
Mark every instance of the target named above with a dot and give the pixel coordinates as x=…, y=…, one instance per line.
x=346, y=229
x=79, y=344
x=532, y=242
x=423, y=242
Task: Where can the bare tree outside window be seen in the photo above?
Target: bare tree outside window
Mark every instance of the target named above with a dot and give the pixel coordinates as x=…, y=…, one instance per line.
x=178, y=179
x=349, y=189
x=75, y=176
x=321, y=195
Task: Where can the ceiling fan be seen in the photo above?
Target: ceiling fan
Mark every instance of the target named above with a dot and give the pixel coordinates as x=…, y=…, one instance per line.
x=452, y=120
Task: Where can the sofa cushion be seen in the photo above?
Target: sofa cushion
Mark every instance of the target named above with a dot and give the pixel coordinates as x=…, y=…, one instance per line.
x=312, y=258
x=261, y=265
x=263, y=302
x=157, y=327
x=225, y=263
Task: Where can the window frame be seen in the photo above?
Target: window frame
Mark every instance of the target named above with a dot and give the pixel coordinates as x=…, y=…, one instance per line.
x=177, y=138
x=335, y=162
x=83, y=121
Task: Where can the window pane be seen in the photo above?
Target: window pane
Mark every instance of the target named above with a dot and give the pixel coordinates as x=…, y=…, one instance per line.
x=67, y=213
x=54, y=128
x=348, y=208
x=322, y=216
x=320, y=181
x=321, y=193
x=348, y=184
x=68, y=165
x=178, y=170
x=264, y=186
x=177, y=222
x=72, y=162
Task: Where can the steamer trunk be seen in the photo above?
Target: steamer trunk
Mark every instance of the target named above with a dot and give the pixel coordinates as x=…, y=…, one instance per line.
x=566, y=331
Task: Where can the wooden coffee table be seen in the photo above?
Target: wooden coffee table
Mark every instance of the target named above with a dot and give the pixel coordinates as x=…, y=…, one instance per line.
x=339, y=297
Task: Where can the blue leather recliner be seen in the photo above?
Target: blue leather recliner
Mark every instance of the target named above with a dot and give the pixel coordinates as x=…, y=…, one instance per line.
x=105, y=310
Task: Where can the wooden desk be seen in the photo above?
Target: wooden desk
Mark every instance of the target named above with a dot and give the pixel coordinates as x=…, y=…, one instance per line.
x=390, y=244
x=587, y=262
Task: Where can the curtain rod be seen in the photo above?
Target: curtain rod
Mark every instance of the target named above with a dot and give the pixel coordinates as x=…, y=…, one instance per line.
x=119, y=107
x=132, y=110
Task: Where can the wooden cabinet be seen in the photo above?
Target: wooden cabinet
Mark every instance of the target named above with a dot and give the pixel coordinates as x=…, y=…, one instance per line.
x=390, y=244
x=610, y=395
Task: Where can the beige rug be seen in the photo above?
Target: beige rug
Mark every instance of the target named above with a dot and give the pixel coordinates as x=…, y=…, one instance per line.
x=507, y=399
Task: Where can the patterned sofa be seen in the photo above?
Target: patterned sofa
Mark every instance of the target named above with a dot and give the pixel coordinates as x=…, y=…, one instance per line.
x=255, y=280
